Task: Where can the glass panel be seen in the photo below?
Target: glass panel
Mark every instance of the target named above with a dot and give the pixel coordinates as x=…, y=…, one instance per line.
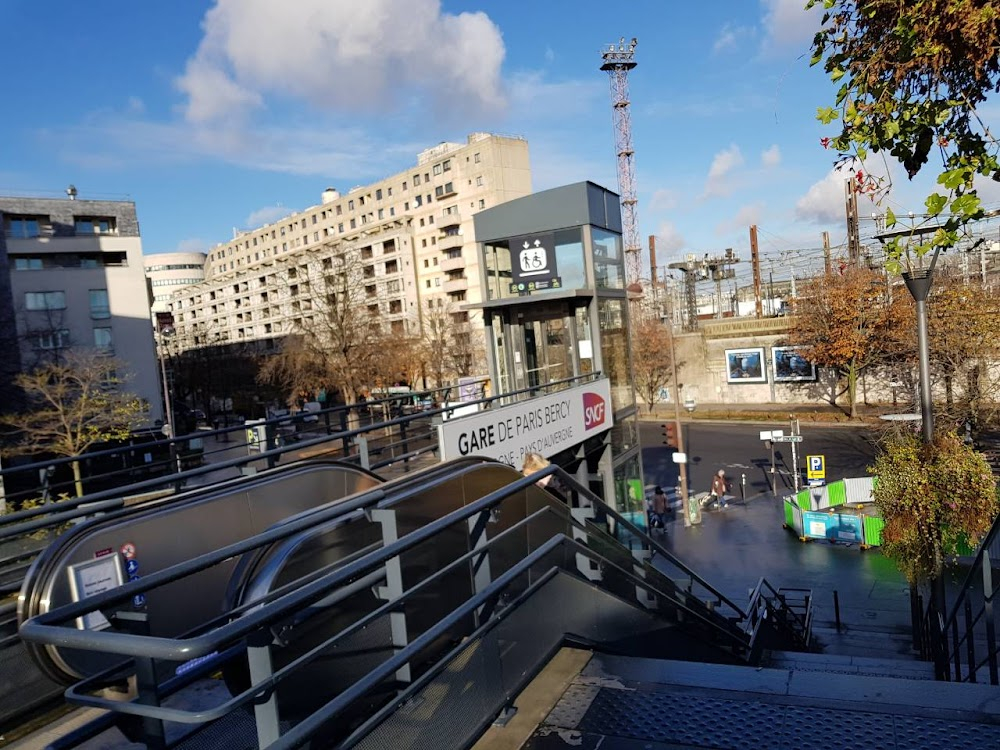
x=569, y=259
x=103, y=338
x=584, y=340
x=615, y=352
x=629, y=492
x=609, y=271
x=569, y=265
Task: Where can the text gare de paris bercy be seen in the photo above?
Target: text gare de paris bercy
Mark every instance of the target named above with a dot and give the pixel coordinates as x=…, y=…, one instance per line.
x=493, y=435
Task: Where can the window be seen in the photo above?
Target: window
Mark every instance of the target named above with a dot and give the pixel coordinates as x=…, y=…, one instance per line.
x=482, y=203
x=437, y=169
x=446, y=165
x=391, y=267
x=340, y=210
x=388, y=192
x=27, y=264
x=99, y=306
x=378, y=194
x=45, y=300
x=428, y=283
x=103, y=339
x=354, y=223
x=416, y=180
x=54, y=339
x=350, y=205
x=418, y=201
x=479, y=181
x=404, y=184
x=395, y=307
x=475, y=158
x=23, y=227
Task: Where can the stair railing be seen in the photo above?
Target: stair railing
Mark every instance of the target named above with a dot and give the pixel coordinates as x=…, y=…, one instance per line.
x=965, y=642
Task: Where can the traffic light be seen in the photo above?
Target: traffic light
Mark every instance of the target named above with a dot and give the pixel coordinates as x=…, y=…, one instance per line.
x=670, y=434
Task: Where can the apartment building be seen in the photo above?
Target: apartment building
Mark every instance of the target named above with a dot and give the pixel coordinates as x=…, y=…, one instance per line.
x=168, y=272
x=411, y=236
x=71, y=275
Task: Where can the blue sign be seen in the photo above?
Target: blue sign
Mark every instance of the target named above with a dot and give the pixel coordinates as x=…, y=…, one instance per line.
x=835, y=527
x=139, y=600
x=132, y=567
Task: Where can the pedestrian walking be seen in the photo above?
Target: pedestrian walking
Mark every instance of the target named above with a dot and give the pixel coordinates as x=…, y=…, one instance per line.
x=718, y=492
x=658, y=514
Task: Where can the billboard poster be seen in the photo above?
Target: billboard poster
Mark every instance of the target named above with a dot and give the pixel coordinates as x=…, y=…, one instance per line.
x=791, y=367
x=545, y=424
x=745, y=365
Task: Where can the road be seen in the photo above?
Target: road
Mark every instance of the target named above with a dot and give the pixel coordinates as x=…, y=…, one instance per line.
x=737, y=448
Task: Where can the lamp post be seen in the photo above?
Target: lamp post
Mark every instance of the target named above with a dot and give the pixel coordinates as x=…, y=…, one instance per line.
x=919, y=283
x=168, y=427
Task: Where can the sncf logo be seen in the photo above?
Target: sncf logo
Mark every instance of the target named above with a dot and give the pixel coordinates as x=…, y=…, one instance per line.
x=594, y=410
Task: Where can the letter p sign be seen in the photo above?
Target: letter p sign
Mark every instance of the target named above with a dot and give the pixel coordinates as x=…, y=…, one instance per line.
x=816, y=467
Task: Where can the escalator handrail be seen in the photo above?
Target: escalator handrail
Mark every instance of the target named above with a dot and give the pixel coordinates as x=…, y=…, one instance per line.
x=48, y=627
x=573, y=484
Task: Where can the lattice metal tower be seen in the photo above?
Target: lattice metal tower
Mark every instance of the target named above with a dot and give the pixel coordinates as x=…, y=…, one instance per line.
x=618, y=61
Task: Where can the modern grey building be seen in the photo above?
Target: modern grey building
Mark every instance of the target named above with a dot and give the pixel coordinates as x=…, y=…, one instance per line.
x=71, y=276
x=555, y=306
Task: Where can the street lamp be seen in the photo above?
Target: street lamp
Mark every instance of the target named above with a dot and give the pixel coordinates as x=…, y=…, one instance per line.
x=919, y=283
x=168, y=416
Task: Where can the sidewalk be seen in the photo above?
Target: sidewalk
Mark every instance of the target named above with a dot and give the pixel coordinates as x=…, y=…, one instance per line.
x=732, y=549
x=809, y=413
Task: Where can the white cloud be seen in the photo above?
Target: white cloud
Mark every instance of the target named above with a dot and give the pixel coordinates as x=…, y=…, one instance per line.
x=729, y=37
x=786, y=23
x=135, y=105
x=342, y=55
x=771, y=157
x=266, y=215
x=663, y=199
x=668, y=240
x=718, y=182
x=743, y=218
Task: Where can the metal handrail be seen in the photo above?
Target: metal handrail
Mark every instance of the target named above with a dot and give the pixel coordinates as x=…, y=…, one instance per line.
x=977, y=565
x=632, y=528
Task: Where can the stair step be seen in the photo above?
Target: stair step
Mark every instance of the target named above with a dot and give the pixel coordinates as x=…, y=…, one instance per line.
x=628, y=702
x=851, y=664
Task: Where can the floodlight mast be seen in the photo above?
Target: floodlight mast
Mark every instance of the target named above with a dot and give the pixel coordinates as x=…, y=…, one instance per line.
x=618, y=61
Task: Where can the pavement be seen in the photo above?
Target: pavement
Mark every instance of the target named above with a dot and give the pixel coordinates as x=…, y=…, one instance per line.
x=734, y=548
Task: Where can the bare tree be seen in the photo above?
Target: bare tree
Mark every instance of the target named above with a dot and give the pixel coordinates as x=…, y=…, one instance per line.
x=72, y=405
x=336, y=337
x=454, y=345
x=651, y=359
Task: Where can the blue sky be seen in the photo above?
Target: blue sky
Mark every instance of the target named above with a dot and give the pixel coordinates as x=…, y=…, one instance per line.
x=215, y=114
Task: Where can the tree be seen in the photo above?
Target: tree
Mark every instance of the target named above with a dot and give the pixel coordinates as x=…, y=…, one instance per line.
x=911, y=78
x=337, y=339
x=848, y=321
x=72, y=405
x=931, y=496
x=651, y=359
x=453, y=346
x=964, y=335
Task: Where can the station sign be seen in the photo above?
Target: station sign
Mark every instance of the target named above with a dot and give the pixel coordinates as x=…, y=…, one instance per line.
x=545, y=425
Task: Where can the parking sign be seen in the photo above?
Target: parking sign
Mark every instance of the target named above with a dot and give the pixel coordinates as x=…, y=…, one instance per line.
x=815, y=467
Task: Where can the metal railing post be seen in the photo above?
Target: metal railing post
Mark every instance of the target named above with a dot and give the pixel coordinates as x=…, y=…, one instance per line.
x=393, y=588
x=261, y=669
x=970, y=641
x=991, y=633
x=362, y=442
x=480, y=564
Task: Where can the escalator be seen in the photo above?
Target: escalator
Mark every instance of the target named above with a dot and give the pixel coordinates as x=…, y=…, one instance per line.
x=135, y=541
x=406, y=615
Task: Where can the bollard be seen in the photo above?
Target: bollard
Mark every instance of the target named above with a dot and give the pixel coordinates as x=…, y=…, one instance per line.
x=836, y=608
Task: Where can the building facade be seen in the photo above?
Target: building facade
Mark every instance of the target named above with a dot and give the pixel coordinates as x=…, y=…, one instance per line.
x=411, y=235
x=71, y=276
x=168, y=273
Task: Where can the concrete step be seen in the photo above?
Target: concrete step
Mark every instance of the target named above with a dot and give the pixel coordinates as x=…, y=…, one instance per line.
x=874, y=666
x=622, y=702
x=854, y=642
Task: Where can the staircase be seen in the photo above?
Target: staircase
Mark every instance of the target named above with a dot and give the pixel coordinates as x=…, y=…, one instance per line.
x=800, y=700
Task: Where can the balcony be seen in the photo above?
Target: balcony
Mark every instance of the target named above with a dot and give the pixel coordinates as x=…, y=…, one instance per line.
x=450, y=242
x=453, y=264
x=452, y=219
x=453, y=286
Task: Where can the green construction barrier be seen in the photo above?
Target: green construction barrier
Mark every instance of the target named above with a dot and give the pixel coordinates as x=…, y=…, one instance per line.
x=836, y=492
x=804, y=500
x=789, y=515
x=873, y=526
